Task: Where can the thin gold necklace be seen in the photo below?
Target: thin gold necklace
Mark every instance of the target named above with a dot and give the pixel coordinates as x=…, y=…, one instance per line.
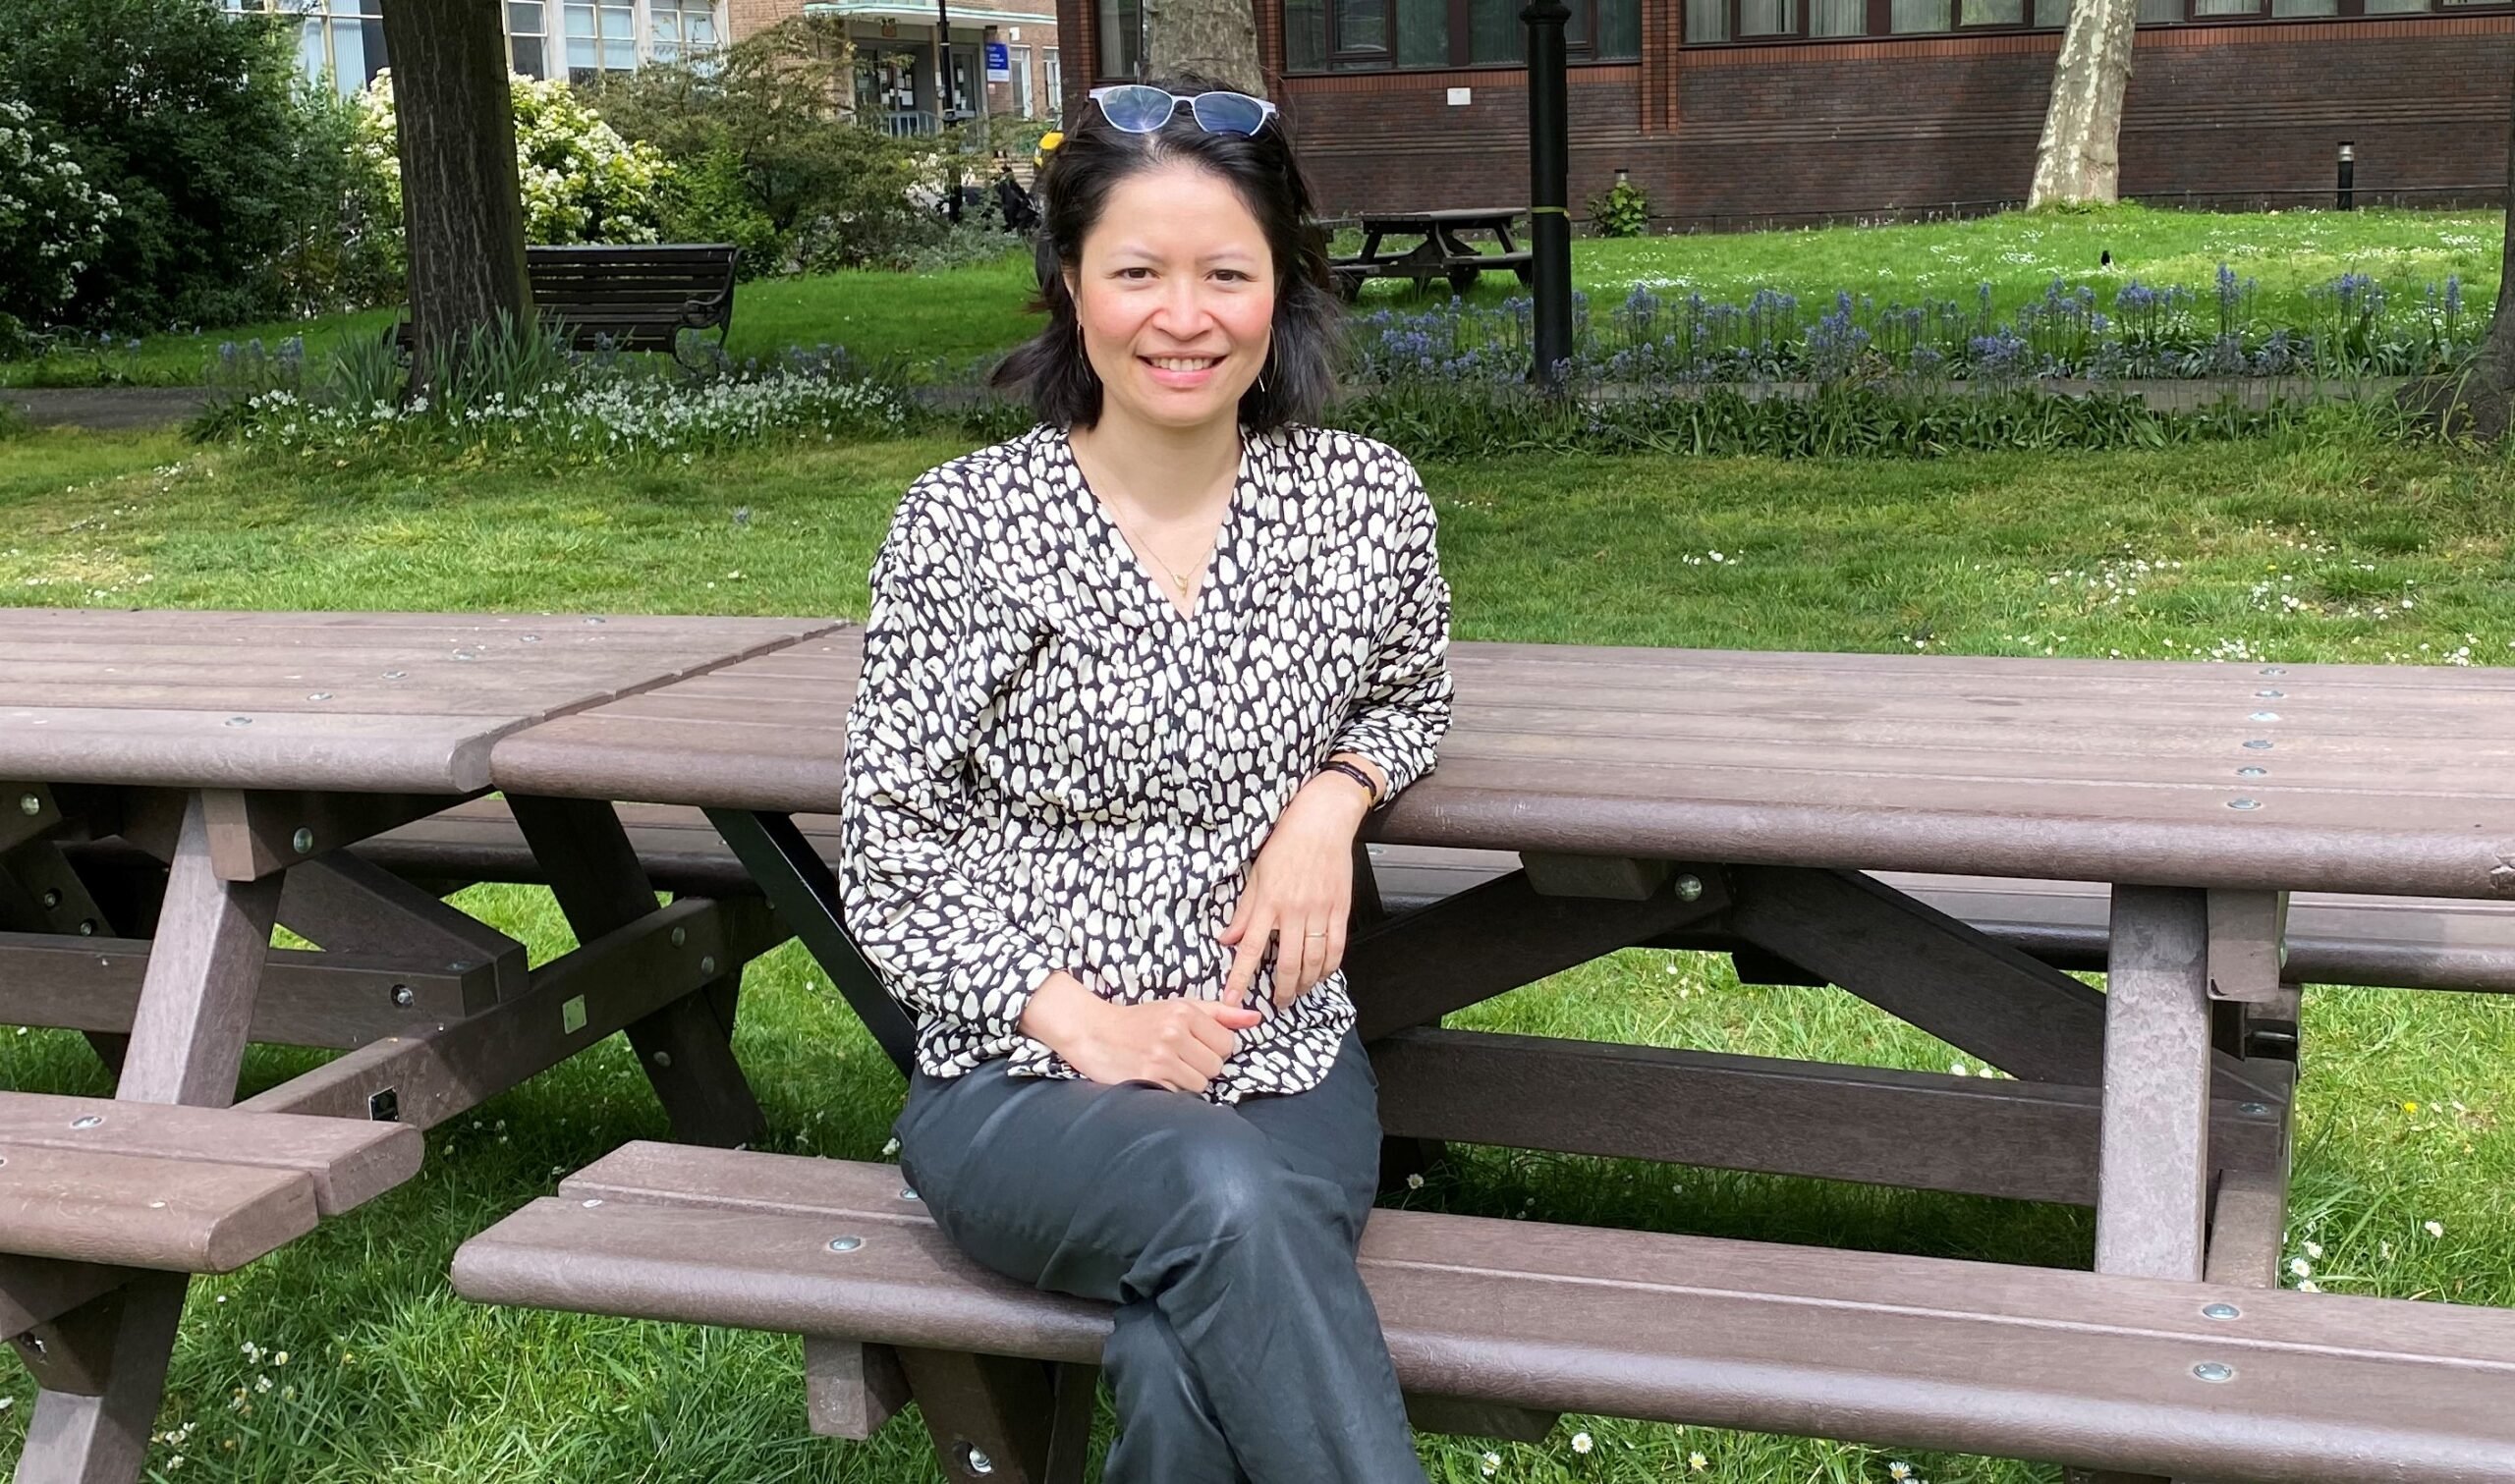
x=1146, y=547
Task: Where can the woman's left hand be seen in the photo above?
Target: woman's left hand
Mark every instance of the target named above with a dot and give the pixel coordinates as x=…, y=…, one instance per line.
x=1301, y=891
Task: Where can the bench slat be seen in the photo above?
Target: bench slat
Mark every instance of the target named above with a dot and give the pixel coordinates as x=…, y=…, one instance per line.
x=2077, y=1368
x=180, y=1214
x=349, y=1162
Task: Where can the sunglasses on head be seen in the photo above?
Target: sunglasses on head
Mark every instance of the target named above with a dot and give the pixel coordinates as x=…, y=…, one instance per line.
x=1139, y=108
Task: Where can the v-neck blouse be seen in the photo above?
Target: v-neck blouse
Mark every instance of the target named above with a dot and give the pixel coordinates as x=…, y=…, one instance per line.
x=1050, y=767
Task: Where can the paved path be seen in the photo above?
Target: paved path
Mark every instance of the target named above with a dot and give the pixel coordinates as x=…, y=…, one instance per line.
x=117, y=409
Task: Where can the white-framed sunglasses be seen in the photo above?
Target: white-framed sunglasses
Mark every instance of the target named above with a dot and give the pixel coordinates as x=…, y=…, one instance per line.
x=1140, y=108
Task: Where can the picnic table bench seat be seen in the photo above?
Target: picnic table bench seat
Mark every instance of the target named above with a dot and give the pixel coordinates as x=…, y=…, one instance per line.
x=181, y=1188
x=2334, y=938
x=1498, y=1324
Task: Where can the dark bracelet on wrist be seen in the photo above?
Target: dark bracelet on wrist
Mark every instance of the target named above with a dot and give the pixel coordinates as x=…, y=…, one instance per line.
x=1339, y=766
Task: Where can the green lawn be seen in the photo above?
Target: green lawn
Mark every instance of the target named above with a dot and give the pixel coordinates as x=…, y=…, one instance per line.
x=2307, y=549
x=941, y=323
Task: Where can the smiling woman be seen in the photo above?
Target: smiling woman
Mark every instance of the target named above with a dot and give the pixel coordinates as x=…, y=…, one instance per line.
x=1132, y=681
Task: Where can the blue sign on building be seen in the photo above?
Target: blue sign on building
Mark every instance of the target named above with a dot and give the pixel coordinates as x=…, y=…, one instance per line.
x=999, y=62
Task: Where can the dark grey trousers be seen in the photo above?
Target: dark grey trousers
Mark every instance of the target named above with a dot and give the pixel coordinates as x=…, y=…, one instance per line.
x=1247, y=1351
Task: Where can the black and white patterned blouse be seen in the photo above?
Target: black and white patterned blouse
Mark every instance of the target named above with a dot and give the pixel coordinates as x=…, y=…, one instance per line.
x=1049, y=766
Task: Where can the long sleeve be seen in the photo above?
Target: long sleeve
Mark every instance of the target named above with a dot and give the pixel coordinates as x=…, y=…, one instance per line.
x=934, y=641
x=1403, y=710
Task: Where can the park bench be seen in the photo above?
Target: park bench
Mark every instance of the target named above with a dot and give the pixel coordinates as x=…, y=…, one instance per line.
x=1496, y=1326
x=628, y=295
x=1776, y=806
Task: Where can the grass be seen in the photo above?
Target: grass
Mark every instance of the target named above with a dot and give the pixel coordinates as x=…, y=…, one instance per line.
x=2185, y=551
x=945, y=321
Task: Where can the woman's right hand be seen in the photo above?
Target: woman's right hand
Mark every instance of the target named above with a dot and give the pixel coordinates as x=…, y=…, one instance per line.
x=1179, y=1043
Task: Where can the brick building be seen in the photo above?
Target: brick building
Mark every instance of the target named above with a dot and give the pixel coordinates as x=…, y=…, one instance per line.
x=1734, y=113
x=895, y=40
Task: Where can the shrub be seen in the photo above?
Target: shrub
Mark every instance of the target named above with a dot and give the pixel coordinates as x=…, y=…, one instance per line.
x=52, y=221
x=764, y=123
x=1622, y=210
x=581, y=182
x=196, y=123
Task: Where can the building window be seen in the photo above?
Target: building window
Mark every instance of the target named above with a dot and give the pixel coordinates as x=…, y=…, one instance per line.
x=1121, y=27
x=1054, y=77
x=1018, y=62
x=619, y=36
x=1376, y=35
x=527, y=35
x=339, y=39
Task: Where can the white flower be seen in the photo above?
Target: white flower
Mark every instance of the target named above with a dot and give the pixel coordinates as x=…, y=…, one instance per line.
x=2435, y=1227
x=1581, y=1443
x=1492, y=1463
x=2313, y=1250
x=2299, y=1267
x=1899, y=1469
x=2309, y=1286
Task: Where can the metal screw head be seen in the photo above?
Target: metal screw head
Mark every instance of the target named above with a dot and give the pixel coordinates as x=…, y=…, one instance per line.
x=465, y=655
x=52, y=897
x=304, y=840
x=29, y=803
x=87, y=927
x=590, y=1204
x=2244, y=803
x=2221, y=1311
x=845, y=1243
x=979, y=1462
x=2215, y=1370
x=395, y=675
x=2252, y=772
x=1689, y=889
x=662, y=1058
x=2254, y=1110
x=908, y=1192
x=87, y=1121
x=597, y=621
x=706, y=964
x=240, y=721
x=320, y=695
x=405, y=996
x=680, y=936
x=2269, y=695
x=2274, y=672
x=2258, y=745
x=2264, y=716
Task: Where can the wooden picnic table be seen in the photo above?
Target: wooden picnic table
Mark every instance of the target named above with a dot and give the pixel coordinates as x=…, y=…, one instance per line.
x=1443, y=248
x=242, y=753
x=1660, y=797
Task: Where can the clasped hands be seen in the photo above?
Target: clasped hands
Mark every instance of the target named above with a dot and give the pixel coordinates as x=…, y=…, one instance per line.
x=1300, y=894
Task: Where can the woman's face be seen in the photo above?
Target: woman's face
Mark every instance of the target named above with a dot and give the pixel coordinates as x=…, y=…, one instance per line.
x=1176, y=296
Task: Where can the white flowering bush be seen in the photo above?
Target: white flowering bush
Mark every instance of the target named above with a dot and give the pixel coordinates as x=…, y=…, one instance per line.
x=52, y=218
x=583, y=182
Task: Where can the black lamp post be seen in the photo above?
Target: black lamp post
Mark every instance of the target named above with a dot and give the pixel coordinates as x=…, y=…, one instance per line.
x=1550, y=171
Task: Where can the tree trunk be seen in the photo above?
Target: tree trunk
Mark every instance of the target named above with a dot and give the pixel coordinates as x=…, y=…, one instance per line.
x=1218, y=39
x=462, y=207
x=2081, y=156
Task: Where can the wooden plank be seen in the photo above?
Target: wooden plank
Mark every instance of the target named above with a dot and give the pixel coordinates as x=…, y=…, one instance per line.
x=990, y=1415
x=35, y=1290
x=1920, y=1131
x=424, y=1078
x=1413, y=969
x=685, y=1048
x=197, y=1000
x=175, y=1215
x=348, y=1162
x=254, y=834
x=850, y=1390
x=350, y=906
x=82, y=1439
x=27, y=811
x=2152, y=1213
x=272, y=750
x=2074, y=1368
x=338, y=1001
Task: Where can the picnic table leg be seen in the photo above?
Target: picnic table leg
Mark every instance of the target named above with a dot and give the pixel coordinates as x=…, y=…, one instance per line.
x=2154, y=1168
x=797, y=883
x=187, y=1045
x=686, y=1048
x=40, y=893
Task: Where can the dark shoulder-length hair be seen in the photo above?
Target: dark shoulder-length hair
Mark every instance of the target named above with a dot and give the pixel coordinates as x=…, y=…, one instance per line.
x=1051, y=371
